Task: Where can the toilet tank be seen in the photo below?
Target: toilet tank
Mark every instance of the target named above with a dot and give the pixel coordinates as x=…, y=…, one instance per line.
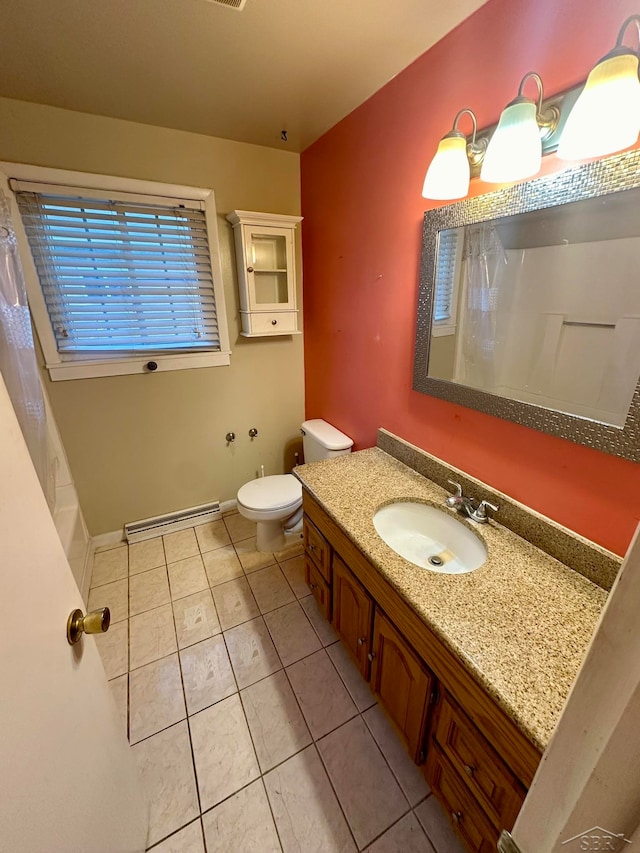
x=322, y=441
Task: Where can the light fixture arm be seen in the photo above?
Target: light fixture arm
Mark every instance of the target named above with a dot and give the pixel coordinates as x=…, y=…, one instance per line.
x=475, y=149
x=547, y=119
x=635, y=19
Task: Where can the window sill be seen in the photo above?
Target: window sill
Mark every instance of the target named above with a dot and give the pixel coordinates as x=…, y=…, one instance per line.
x=442, y=331
x=84, y=369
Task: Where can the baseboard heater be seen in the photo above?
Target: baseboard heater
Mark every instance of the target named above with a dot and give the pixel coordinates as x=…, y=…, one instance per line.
x=147, y=528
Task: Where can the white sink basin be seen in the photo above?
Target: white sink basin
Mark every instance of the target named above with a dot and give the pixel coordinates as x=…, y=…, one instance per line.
x=429, y=538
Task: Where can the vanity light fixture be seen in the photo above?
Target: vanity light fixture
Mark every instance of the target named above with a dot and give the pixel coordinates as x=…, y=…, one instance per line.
x=515, y=149
x=606, y=116
x=449, y=172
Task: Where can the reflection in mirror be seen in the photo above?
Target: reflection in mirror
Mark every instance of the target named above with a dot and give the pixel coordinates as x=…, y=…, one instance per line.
x=529, y=309
x=543, y=307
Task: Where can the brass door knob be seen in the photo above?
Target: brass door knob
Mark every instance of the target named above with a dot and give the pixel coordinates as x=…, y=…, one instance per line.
x=96, y=622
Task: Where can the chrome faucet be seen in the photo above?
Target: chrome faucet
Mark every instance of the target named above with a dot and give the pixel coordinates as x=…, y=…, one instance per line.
x=473, y=510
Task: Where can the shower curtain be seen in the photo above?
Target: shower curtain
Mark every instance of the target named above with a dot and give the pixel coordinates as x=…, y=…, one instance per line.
x=17, y=355
x=485, y=266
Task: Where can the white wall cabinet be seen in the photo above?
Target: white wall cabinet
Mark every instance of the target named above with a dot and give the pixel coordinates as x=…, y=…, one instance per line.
x=265, y=255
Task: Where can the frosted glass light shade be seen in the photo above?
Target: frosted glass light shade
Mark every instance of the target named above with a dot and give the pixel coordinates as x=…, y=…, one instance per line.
x=515, y=149
x=449, y=172
x=606, y=116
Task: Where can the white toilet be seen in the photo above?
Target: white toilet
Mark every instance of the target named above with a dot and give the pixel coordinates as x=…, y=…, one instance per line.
x=275, y=503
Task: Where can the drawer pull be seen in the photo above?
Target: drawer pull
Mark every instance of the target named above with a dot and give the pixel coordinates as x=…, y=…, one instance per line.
x=469, y=769
x=371, y=655
x=312, y=547
x=362, y=641
x=456, y=817
x=313, y=586
x=274, y=322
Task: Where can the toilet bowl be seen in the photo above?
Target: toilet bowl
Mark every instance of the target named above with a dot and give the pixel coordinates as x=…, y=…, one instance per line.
x=275, y=502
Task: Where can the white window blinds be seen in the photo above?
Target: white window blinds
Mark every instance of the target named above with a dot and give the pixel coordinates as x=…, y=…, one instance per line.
x=125, y=275
x=443, y=309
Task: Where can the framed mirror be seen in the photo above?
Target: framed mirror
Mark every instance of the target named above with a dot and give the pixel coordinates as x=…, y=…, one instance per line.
x=529, y=304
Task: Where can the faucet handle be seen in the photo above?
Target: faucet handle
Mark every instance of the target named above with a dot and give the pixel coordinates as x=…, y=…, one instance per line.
x=481, y=513
x=458, y=488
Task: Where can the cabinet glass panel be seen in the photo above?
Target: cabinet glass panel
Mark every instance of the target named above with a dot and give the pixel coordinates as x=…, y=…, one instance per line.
x=271, y=287
x=269, y=252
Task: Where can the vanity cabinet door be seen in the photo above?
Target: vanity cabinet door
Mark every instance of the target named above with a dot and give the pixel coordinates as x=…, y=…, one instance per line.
x=352, y=613
x=402, y=683
x=317, y=548
x=319, y=587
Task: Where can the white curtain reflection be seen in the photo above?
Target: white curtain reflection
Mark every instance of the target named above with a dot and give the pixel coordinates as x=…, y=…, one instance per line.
x=17, y=355
x=485, y=264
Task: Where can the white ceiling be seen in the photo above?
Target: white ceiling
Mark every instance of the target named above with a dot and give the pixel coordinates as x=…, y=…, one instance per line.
x=198, y=66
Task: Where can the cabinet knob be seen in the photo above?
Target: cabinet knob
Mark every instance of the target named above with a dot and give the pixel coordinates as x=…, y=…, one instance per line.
x=371, y=655
x=312, y=547
x=249, y=269
x=456, y=817
x=362, y=641
x=469, y=769
x=274, y=322
x=313, y=586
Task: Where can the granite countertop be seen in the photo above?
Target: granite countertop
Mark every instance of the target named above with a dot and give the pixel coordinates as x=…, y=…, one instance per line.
x=520, y=623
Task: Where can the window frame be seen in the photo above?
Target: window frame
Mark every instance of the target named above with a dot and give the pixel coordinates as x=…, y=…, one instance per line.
x=448, y=325
x=79, y=366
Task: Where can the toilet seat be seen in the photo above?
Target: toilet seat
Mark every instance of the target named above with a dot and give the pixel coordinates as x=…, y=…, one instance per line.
x=270, y=498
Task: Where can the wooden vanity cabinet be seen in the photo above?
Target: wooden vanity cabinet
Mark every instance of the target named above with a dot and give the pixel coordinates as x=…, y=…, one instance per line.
x=352, y=614
x=402, y=683
x=476, y=760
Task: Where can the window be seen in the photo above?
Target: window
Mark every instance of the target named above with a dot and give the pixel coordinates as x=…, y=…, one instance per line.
x=125, y=278
x=446, y=284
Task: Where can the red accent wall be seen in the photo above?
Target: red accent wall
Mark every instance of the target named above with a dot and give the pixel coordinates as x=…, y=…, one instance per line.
x=362, y=207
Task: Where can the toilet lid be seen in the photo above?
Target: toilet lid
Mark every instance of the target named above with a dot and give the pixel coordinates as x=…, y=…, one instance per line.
x=275, y=492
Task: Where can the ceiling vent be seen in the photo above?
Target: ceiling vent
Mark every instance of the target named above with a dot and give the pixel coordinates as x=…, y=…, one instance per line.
x=233, y=4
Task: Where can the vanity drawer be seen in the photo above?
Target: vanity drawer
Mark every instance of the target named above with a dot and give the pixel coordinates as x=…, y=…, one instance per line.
x=318, y=586
x=318, y=549
x=463, y=811
x=479, y=766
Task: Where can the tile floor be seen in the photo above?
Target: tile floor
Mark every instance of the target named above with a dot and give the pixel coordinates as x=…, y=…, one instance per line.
x=252, y=729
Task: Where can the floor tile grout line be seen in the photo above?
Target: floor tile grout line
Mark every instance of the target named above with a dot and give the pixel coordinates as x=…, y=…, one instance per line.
x=386, y=760
x=174, y=832
x=344, y=722
x=261, y=776
x=315, y=746
x=186, y=711
x=390, y=827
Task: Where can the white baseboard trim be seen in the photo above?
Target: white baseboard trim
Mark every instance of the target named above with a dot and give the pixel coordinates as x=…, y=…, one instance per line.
x=106, y=541
x=229, y=506
x=87, y=572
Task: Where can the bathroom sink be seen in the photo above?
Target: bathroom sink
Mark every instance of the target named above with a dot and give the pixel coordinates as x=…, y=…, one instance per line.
x=429, y=537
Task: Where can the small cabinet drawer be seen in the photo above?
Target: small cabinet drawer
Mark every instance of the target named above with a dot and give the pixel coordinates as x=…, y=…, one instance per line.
x=318, y=549
x=464, y=813
x=276, y=323
x=488, y=778
x=318, y=586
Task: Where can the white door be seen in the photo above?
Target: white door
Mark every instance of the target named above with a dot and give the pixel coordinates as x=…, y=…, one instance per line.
x=68, y=783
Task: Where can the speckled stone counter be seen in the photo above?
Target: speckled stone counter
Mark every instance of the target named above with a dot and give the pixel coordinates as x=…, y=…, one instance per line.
x=520, y=623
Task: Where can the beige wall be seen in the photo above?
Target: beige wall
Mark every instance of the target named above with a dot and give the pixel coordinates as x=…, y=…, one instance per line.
x=147, y=444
